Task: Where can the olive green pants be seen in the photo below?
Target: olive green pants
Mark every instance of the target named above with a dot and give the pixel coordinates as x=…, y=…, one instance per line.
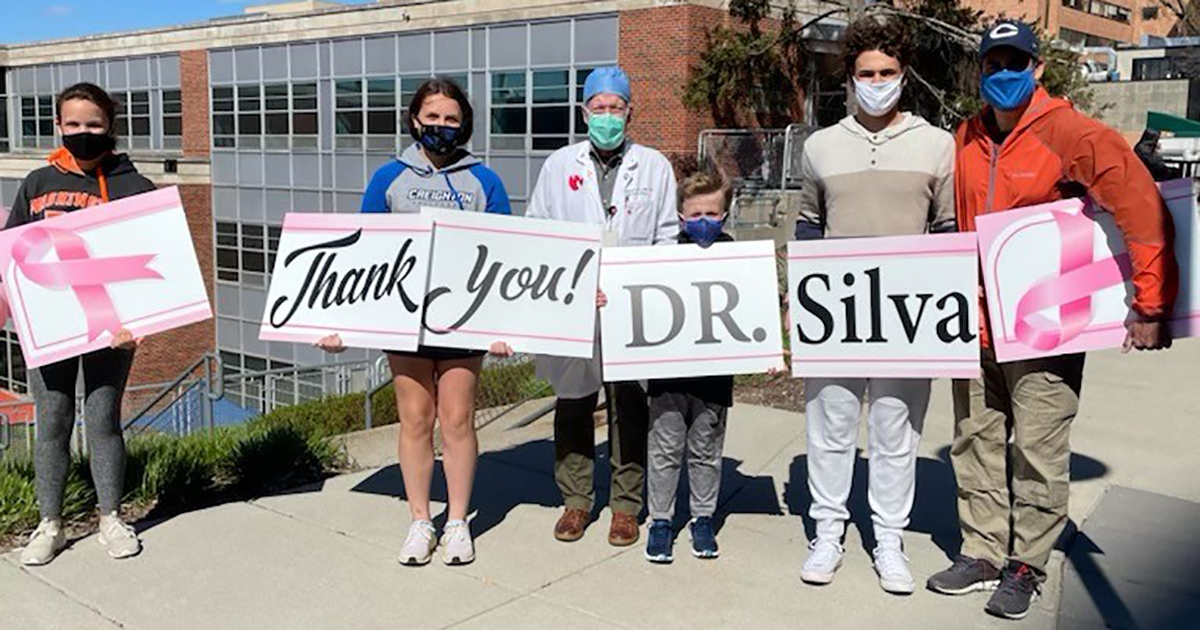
x=575, y=449
x=1012, y=498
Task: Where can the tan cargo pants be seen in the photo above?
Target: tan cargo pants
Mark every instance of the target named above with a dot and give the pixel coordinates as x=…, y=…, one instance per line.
x=1012, y=499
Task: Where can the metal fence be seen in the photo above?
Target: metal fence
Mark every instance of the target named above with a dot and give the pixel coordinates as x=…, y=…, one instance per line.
x=206, y=395
x=764, y=168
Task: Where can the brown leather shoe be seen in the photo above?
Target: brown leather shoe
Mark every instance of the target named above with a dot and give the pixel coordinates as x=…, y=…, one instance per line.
x=571, y=525
x=624, y=530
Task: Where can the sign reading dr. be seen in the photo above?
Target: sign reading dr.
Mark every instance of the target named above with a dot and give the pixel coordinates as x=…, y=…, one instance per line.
x=902, y=306
x=361, y=276
x=683, y=310
x=528, y=282
x=1058, y=276
x=74, y=280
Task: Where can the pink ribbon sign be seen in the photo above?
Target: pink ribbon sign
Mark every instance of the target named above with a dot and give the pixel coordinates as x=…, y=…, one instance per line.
x=1071, y=290
x=78, y=271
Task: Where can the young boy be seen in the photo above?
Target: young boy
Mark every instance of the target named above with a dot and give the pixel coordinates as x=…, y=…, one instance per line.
x=688, y=414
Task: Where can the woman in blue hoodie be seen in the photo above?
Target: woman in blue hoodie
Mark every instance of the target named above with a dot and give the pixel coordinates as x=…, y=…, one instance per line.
x=435, y=382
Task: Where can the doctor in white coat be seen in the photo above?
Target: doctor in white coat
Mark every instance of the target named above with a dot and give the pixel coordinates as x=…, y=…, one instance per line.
x=630, y=190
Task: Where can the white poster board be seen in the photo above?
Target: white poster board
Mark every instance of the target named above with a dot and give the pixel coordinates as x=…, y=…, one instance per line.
x=360, y=276
x=530, y=283
x=76, y=279
x=1058, y=276
x=683, y=310
x=902, y=307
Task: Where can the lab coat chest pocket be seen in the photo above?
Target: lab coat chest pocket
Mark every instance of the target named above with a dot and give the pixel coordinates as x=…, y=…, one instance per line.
x=638, y=220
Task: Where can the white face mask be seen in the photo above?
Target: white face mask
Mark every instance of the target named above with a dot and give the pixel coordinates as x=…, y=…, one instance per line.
x=877, y=99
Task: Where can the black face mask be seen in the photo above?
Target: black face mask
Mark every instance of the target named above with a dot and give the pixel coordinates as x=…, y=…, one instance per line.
x=89, y=146
x=440, y=139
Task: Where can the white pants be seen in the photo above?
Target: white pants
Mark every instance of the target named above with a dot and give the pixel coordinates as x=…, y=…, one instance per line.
x=894, y=421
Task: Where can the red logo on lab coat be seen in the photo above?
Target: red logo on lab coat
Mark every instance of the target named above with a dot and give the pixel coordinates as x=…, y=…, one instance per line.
x=574, y=182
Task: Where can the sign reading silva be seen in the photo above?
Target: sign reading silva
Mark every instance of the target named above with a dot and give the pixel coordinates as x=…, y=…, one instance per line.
x=361, y=276
x=1058, y=276
x=74, y=280
x=528, y=282
x=684, y=310
x=902, y=306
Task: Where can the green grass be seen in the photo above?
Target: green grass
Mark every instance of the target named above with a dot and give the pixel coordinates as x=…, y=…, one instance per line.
x=173, y=474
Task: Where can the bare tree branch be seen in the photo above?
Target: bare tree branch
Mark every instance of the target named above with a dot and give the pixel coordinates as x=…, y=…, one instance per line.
x=1184, y=12
x=964, y=38
x=940, y=95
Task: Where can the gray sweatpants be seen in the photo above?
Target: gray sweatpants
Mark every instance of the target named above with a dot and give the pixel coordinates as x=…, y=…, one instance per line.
x=678, y=423
x=53, y=386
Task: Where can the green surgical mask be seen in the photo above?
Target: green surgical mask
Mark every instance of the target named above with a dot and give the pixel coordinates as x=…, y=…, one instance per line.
x=606, y=131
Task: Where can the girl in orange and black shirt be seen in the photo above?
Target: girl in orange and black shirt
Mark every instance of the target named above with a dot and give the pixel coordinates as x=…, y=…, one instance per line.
x=85, y=172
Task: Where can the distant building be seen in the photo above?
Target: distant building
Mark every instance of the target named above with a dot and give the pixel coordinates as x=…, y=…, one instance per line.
x=293, y=106
x=1087, y=22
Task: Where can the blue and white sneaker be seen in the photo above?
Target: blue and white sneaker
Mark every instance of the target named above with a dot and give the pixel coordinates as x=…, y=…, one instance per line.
x=659, y=541
x=704, y=539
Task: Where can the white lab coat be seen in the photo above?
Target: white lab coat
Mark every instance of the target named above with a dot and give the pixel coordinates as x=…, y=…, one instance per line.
x=644, y=196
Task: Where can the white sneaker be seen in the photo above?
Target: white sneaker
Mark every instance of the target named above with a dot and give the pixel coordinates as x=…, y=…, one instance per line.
x=419, y=545
x=45, y=543
x=457, y=547
x=823, y=561
x=892, y=566
x=121, y=540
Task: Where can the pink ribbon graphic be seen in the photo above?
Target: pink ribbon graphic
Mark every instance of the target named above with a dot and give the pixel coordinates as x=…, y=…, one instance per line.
x=78, y=271
x=1079, y=277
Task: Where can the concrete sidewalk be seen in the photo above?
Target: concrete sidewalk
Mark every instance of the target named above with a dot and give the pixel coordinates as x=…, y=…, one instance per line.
x=324, y=556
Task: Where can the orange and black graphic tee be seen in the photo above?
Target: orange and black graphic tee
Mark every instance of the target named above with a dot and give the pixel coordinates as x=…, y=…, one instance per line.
x=64, y=187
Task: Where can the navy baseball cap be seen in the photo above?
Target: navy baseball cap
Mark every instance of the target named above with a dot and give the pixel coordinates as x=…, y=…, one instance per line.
x=1012, y=34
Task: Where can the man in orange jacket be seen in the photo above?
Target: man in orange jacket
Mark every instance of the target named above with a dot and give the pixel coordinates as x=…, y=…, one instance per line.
x=1027, y=148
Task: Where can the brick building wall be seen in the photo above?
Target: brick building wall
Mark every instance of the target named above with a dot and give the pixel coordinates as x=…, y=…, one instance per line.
x=651, y=41
x=163, y=357
x=193, y=86
x=1064, y=17
x=1026, y=10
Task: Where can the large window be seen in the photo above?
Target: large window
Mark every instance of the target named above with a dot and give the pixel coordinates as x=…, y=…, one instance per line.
x=37, y=121
x=224, y=128
x=266, y=392
x=540, y=104
x=1157, y=68
x=172, y=120
x=265, y=116
x=304, y=115
x=133, y=119
x=1103, y=9
x=509, y=115
x=246, y=252
x=550, y=116
x=348, y=112
x=13, y=375
x=1079, y=38
x=381, y=113
x=3, y=113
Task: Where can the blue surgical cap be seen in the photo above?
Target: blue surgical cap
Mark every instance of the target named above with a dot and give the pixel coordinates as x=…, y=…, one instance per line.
x=606, y=80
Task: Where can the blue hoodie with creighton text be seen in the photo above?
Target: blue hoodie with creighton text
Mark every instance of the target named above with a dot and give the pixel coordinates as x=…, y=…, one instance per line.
x=411, y=182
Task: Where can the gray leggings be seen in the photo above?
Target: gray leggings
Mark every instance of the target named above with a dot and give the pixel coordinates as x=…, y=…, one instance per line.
x=104, y=375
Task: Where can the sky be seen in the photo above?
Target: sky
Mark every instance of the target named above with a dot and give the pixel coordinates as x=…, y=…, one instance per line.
x=35, y=20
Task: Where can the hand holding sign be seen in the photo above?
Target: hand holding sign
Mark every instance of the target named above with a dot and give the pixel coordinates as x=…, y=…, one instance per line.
x=690, y=311
x=349, y=279
x=102, y=278
x=528, y=282
x=1058, y=279
x=900, y=306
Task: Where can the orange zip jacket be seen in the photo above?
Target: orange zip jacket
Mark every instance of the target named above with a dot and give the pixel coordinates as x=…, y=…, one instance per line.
x=1054, y=153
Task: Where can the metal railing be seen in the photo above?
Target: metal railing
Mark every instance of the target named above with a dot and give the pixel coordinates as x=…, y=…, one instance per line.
x=187, y=404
